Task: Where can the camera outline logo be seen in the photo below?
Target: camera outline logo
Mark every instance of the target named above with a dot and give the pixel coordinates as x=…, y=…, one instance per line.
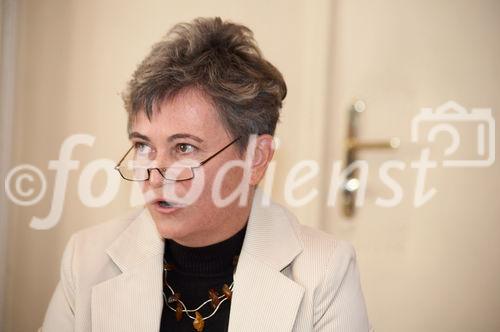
x=451, y=112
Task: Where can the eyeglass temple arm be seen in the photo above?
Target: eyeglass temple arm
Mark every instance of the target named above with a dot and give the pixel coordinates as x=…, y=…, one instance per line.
x=120, y=162
x=215, y=154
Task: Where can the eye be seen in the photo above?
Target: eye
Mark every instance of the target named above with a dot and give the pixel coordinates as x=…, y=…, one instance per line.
x=142, y=149
x=185, y=148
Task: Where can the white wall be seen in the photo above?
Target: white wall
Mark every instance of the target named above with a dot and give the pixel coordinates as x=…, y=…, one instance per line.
x=8, y=21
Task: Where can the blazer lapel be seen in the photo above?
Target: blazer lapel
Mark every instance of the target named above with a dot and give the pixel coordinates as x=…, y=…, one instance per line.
x=133, y=300
x=260, y=287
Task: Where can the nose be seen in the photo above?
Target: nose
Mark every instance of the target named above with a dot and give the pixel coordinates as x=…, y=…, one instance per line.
x=155, y=178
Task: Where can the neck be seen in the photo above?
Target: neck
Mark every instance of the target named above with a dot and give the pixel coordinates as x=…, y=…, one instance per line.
x=236, y=219
x=234, y=224
x=215, y=259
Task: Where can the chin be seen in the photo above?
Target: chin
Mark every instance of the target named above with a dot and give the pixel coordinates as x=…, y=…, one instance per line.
x=171, y=225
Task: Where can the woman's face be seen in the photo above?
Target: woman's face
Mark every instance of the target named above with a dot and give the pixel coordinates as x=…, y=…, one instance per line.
x=187, y=128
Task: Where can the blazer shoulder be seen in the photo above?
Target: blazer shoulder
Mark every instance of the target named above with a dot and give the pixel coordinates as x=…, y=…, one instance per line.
x=92, y=242
x=325, y=246
x=315, y=239
x=323, y=254
x=318, y=244
x=327, y=268
x=109, y=229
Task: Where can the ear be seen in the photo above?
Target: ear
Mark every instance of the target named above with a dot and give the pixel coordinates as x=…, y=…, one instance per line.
x=264, y=151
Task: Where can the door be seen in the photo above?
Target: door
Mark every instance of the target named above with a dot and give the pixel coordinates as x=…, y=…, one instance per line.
x=430, y=261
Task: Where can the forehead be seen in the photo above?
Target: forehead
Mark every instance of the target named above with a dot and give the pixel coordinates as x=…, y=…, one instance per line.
x=190, y=112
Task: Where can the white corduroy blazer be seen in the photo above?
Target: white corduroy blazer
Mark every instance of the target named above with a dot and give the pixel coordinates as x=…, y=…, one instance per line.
x=289, y=278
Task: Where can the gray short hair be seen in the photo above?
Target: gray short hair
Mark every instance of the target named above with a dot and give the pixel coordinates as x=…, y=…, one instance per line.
x=223, y=61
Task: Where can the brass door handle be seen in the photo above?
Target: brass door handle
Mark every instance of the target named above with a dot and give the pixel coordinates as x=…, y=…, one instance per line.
x=352, y=146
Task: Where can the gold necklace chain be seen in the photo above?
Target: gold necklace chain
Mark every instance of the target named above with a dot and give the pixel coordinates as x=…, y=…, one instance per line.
x=214, y=298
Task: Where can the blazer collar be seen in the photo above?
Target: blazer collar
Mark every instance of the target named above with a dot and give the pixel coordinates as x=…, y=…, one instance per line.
x=138, y=243
x=271, y=237
x=133, y=300
x=270, y=245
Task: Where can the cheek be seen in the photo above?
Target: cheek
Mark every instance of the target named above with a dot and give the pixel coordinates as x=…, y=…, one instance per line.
x=144, y=186
x=232, y=180
x=224, y=182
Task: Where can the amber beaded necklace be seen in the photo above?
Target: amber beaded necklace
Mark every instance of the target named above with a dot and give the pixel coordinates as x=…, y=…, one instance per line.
x=213, y=297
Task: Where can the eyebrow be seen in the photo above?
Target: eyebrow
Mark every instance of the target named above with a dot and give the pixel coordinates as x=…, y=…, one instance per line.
x=171, y=138
x=184, y=135
x=135, y=134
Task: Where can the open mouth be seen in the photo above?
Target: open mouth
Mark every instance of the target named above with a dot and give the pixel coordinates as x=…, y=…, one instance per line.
x=165, y=204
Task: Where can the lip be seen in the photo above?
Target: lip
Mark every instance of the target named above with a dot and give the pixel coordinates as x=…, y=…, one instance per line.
x=165, y=210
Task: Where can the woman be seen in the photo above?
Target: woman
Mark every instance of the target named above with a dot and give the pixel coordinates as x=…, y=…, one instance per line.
x=205, y=253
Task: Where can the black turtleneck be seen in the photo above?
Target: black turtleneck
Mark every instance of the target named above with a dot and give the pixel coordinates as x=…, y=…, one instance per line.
x=196, y=270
